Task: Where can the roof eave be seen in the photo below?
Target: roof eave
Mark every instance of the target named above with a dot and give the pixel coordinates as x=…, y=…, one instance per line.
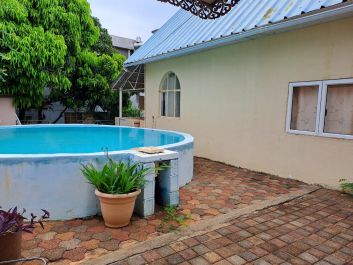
x=325, y=15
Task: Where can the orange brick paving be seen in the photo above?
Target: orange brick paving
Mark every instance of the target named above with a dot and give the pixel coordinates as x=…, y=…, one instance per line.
x=216, y=189
x=314, y=229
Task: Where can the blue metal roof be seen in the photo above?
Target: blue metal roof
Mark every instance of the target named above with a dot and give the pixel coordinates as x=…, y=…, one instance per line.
x=185, y=30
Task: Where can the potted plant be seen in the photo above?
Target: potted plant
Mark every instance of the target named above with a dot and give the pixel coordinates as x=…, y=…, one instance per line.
x=117, y=186
x=12, y=224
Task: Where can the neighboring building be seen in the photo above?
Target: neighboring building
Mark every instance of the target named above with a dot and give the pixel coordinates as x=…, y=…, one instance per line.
x=267, y=87
x=7, y=111
x=125, y=46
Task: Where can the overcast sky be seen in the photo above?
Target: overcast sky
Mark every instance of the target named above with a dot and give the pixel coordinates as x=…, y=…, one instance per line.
x=131, y=18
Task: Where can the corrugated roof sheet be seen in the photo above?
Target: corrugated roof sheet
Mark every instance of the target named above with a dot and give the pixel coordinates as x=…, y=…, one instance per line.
x=185, y=30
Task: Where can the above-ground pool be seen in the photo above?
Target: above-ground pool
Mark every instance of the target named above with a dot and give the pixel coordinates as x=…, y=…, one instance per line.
x=40, y=165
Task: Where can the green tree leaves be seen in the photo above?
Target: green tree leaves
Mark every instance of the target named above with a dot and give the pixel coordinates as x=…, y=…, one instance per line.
x=55, y=44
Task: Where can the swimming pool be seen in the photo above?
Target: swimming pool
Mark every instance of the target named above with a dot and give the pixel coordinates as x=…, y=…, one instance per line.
x=40, y=165
x=76, y=139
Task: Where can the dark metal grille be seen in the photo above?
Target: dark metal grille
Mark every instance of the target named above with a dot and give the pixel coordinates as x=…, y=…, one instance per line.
x=204, y=9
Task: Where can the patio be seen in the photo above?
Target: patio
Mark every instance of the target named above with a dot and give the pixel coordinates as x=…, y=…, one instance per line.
x=216, y=189
x=314, y=229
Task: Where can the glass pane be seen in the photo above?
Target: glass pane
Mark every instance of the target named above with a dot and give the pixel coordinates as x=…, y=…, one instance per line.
x=339, y=109
x=177, y=84
x=164, y=84
x=171, y=81
x=304, y=108
x=163, y=104
x=171, y=104
x=177, y=104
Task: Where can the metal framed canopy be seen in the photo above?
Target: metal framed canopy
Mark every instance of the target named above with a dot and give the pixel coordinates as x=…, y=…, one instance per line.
x=130, y=80
x=205, y=9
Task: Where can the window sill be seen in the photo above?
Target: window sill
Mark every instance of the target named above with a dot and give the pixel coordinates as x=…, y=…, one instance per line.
x=324, y=135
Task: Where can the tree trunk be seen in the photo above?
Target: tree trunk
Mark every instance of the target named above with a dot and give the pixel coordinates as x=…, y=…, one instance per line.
x=60, y=115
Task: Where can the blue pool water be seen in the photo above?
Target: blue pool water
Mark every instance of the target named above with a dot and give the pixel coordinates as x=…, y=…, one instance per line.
x=57, y=139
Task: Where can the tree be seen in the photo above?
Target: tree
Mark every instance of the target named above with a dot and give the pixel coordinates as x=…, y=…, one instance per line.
x=29, y=66
x=96, y=68
x=56, y=44
x=2, y=71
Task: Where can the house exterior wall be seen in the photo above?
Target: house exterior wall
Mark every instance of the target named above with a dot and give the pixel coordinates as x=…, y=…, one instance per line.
x=7, y=111
x=234, y=101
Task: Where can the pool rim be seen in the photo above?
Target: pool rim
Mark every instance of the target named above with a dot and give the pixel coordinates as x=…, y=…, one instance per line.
x=188, y=139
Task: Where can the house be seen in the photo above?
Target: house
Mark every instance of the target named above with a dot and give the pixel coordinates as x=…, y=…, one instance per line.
x=7, y=111
x=268, y=87
x=125, y=46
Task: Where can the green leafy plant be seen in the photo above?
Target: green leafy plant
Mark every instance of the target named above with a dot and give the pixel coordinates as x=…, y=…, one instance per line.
x=116, y=177
x=173, y=219
x=346, y=186
x=131, y=111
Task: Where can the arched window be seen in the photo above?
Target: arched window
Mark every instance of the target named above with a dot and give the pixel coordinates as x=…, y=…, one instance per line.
x=170, y=96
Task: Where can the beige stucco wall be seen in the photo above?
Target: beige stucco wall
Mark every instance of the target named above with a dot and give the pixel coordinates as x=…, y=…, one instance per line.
x=7, y=111
x=234, y=101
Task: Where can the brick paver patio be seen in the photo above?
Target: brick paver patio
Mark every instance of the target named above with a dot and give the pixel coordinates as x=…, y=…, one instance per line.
x=314, y=229
x=216, y=189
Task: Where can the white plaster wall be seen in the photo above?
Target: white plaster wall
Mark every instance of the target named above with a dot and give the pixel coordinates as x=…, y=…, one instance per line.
x=7, y=111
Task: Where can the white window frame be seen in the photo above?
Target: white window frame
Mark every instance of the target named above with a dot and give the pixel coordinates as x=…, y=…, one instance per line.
x=290, y=102
x=167, y=91
x=321, y=107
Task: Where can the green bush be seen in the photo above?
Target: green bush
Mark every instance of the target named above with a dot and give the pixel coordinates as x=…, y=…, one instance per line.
x=116, y=177
x=346, y=186
x=131, y=111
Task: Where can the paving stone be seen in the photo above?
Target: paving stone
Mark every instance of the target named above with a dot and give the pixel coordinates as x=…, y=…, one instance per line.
x=236, y=260
x=120, y=235
x=212, y=257
x=102, y=236
x=136, y=260
x=70, y=244
x=201, y=249
x=34, y=252
x=165, y=251
x=84, y=236
x=188, y=254
x=65, y=236
x=175, y=259
x=46, y=236
x=49, y=244
x=53, y=254
x=110, y=245
x=199, y=261
x=90, y=245
x=74, y=254
x=178, y=246
x=79, y=229
x=308, y=257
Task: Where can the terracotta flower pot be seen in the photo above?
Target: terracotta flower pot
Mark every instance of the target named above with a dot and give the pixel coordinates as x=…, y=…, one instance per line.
x=10, y=246
x=117, y=209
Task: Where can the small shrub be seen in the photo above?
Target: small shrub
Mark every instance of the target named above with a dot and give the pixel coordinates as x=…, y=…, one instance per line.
x=346, y=186
x=12, y=221
x=172, y=219
x=116, y=177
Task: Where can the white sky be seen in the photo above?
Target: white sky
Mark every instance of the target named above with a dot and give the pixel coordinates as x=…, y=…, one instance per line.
x=131, y=18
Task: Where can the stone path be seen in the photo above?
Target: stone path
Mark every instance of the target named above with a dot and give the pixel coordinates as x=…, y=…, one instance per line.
x=216, y=189
x=314, y=229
